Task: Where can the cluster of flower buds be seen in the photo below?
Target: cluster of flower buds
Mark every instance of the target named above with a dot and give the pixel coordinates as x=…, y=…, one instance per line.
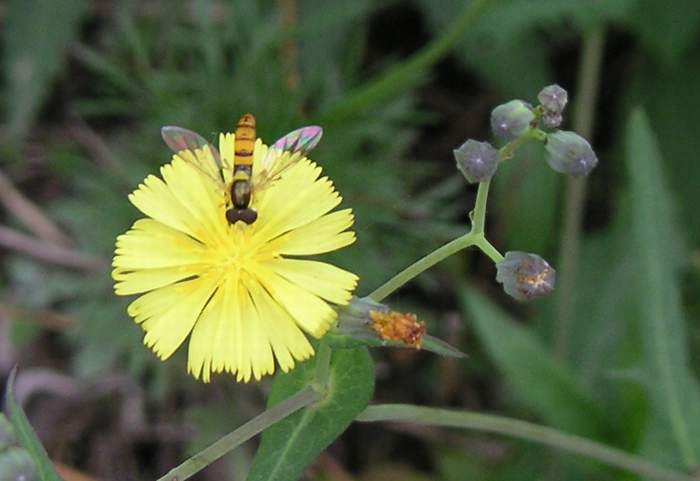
x=552, y=99
x=15, y=461
x=515, y=121
x=527, y=276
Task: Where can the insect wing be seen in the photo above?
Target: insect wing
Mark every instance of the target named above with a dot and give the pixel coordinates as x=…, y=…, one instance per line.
x=299, y=141
x=179, y=140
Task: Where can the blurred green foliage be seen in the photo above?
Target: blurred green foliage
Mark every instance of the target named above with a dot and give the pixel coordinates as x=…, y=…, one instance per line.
x=87, y=86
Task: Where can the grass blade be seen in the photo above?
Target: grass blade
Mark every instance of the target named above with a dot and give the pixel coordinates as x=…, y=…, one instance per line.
x=26, y=436
x=674, y=391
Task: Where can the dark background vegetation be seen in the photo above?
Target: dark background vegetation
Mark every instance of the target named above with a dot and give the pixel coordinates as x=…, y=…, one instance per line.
x=87, y=85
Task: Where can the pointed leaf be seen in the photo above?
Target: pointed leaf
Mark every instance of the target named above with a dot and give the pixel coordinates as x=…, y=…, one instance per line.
x=37, y=36
x=25, y=435
x=667, y=29
x=290, y=445
x=674, y=390
x=539, y=380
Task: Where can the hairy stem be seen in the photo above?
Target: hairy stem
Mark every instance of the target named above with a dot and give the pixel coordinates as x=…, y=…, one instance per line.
x=521, y=430
x=237, y=437
x=584, y=110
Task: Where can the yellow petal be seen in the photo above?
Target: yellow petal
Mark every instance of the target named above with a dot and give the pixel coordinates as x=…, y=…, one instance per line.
x=171, y=317
x=309, y=311
x=287, y=341
x=324, y=234
x=202, y=204
x=143, y=280
x=210, y=335
x=261, y=359
x=295, y=200
x=324, y=280
x=152, y=245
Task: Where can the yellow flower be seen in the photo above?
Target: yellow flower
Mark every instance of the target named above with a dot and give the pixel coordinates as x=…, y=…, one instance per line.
x=234, y=289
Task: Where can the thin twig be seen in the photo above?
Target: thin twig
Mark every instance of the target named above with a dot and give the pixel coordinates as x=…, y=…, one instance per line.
x=47, y=319
x=397, y=79
x=574, y=204
x=30, y=215
x=98, y=149
x=290, y=50
x=49, y=252
x=237, y=437
x=522, y=430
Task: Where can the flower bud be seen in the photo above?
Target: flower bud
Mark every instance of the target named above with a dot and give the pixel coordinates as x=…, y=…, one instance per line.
x=16, y=464
x=477, y=161
x=569, y=153
x=7, y=436
x=512, y=119
x=398, y=326
x=525, y=276
x=364, y=322
x=551, y=120
x=553, y=98
x=365, y=319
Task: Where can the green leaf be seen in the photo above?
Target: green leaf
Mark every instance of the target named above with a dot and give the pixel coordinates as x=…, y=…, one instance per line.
x=37, y=36
x=674, y=391
x=667, y=28
x=672, y=114
x=405, y=75
x=291, y=444
x=511, y=30
x=25, y=435
x=539, y=380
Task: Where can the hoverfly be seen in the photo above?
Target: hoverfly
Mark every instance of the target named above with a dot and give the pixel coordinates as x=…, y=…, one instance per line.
x=242, y=188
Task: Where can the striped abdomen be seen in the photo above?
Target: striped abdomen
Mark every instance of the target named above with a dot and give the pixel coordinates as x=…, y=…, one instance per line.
x=242, y=172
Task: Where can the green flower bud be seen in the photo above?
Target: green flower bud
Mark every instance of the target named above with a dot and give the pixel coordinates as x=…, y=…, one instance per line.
x=553, y=98
x=525, y=276
x=477, y=161
x=16, y=465
x=512, y=119
x=569, y=153
x=7, y=433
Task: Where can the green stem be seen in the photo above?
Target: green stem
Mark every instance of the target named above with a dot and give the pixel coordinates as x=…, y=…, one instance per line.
x=584, y=110
x=488, y=249
x=508, y=151
x=421, y=265
x=522, y=430
x=479, y=214
x=473, y=238
x=237, y=437
x=397, y=79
